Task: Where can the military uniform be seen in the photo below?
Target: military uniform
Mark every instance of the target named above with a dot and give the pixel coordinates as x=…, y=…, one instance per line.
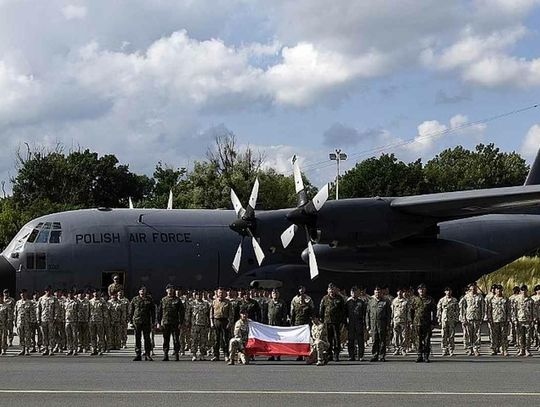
x=199, y=317
x=142, y=315
x=83, y=319
x=4, y=318
x=221, y=317
x=238, y=342
x=536, y=336
x=171, y=315
x=114, y=288
x=525, y=314
x=302, y=309
x=276, y=312
x=252, y=308
x=319, y=344
x=71, y=312
x=424, y=317
x=24, y=309
x=10, y=304
x=185, y=329
x=332, y=313
x=35, y=331
x=116, y=311
x=59, y=325
x=96, y=325
x=107, y=328
x=448, y=317
x=473, y=313
x=47, y=306
x=513, y=320
x=379, y=320
x=356, y=310
x=400, y=323
x=124, y=320
x=498, y=314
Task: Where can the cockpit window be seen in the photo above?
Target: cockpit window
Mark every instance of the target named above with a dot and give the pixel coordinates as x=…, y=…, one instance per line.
x=55, y=236
x=43, y=233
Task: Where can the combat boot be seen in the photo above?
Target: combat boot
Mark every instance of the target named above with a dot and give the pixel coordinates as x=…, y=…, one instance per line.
x=46, y=352
x=148, y=358
x=22, y=352
x=166, y=357
x=230, y=362
x=419, y=359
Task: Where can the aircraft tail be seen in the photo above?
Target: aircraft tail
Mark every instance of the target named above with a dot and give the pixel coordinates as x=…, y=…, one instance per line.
x=534, y=173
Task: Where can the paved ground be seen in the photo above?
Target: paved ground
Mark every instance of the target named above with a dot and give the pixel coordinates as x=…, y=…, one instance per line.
x=115, y=379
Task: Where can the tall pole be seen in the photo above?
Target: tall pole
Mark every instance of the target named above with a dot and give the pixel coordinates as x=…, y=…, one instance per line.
x=338, y=152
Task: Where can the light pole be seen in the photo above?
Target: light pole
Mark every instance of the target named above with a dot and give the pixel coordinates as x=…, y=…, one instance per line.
x=337, y=156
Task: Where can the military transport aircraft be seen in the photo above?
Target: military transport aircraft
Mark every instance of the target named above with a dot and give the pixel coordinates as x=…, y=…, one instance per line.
x=440, y=239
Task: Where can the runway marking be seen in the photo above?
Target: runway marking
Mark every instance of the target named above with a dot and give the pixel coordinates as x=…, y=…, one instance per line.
x=278, y=392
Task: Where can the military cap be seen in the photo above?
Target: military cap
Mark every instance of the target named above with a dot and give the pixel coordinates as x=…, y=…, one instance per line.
x=6, y=291
x=275, y=290
x=447, y=289
x=537, y=287
x=516, y=289
x=331, y=285
x=500, y=287
x=142, y=287
x=168, y=286
x=494, y=286
x=421, y=285
x=244, y=310
x=354, y=288
x=524, y=288
x=300, y=287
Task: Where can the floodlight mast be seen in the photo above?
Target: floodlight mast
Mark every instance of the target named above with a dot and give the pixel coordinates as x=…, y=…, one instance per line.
x=337, y=156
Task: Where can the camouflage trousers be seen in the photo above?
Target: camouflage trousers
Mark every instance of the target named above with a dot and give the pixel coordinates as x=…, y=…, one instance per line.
x=537, y=333
x=513, y=332
x=97, y=332
x=499, y=336
x=72, y=335
x=524, y=331
x=25, y=335
x=115, y=336
x=199, y=339
x=399, y=336
x=318, y=350
x=60, y=334
x=236, y=345
x=4, y=333
x=49, y=338
x=474, y=339
x=448, y=335
x=10, y=332
x=107, y=336
x=185, y=338
x=35, y=332
x=84, y=336
x=124, y=332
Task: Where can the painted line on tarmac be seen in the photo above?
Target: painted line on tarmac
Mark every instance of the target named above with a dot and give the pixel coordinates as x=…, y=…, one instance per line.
x=276, y=392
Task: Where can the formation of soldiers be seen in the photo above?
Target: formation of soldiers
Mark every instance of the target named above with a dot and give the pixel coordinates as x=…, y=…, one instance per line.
x=214, y=324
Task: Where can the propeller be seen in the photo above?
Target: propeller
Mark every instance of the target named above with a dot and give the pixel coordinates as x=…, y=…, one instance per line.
x=130, y=203
x=170, y=201
x=245, y=224
x=305, y=216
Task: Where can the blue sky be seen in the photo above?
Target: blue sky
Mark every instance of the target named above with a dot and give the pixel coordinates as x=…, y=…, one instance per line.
x=152, y=81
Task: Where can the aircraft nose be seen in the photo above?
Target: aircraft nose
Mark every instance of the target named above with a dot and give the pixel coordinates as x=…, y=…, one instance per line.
x=7, y=275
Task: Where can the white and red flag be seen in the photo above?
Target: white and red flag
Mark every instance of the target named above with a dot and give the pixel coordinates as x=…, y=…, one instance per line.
x=278, y=340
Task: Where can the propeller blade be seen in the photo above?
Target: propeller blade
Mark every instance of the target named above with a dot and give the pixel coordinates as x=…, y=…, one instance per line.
x=170, y=203
x=313, y=268
x=288, y=235
x=254, y=194
x=239, y=209
x=258, y=251
x=320, y=198
x=298, y=183
x=130, y=203
x=238, y=258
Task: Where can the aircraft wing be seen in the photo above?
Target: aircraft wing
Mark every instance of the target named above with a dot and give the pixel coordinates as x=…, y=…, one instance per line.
x=469, y=203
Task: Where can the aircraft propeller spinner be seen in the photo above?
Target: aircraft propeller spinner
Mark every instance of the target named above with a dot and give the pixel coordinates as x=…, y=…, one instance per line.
x=305, y=215
x=245, y=224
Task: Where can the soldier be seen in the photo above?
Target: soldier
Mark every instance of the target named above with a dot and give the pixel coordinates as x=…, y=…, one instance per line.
x=96, y=327
x=319, y=345
x=185, y=332
x=276, y=311
x=379, y=320
x=35, y=332
x=116, y=311
x=448, y=317
x=302, y=309
x=536, y=299
x=221, y=317
x=524, y=313
x=124, y=318
x=199, y=316
x=498, y=314
x=71, y=314
x=4, y=318
x=83, y=319
x=487, y=299
x=47, y=307
x=424, y=318
x=251, y=306
x=142, y=316
x=513, y=323
x=400, y=321
x=24, y=309
x=10, y=304
x=107, y=328
x=115, y=286
x=171, y=316
x=356, y=309
x=237, y=344
x=332, y=313
x=59, y=322
x=473, y=313
x=232, y=296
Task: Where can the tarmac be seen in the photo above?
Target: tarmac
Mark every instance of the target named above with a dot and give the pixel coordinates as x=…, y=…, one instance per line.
x=113, y=379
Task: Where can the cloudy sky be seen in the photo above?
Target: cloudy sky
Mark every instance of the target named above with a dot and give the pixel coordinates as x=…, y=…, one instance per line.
x=154, y=80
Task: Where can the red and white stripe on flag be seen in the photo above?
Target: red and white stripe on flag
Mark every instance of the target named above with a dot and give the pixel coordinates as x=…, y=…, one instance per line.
x=278, y=340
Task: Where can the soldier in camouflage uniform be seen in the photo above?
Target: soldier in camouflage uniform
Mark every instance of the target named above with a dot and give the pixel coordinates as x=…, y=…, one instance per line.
x=221, y=318
x=332, y=313
x=238, y=342
x=24, y=310
x=379, y=322
x=400, y=321
x=107, y=327
x=356, y=310
x=47, y=307
x=10, y=303
x=536, y=300
x=124, y=318
x=498, y=314
x=424, y=318
x=487, y=299
x=171, y=316
x=96, y=327
x=448, y=317
x=115, y=286
x=276, y=313
x=513, y=323
x=319, y=342
x=199, y=317
x=142, y=315
x=4, y=312
x=34, y=326
x=184, y=334
x=116, y=311
x=71, y=314
x=525, y=314
x=83, y=319
x=251, y=306
x=473, y=314
x=59, y=322
x=302, y=310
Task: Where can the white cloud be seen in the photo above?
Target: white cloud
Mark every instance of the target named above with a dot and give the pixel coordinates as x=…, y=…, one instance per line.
x=74, y=12
x=531, y=143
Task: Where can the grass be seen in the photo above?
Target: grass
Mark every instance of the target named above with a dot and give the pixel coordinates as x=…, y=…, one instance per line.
x=525, y=270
